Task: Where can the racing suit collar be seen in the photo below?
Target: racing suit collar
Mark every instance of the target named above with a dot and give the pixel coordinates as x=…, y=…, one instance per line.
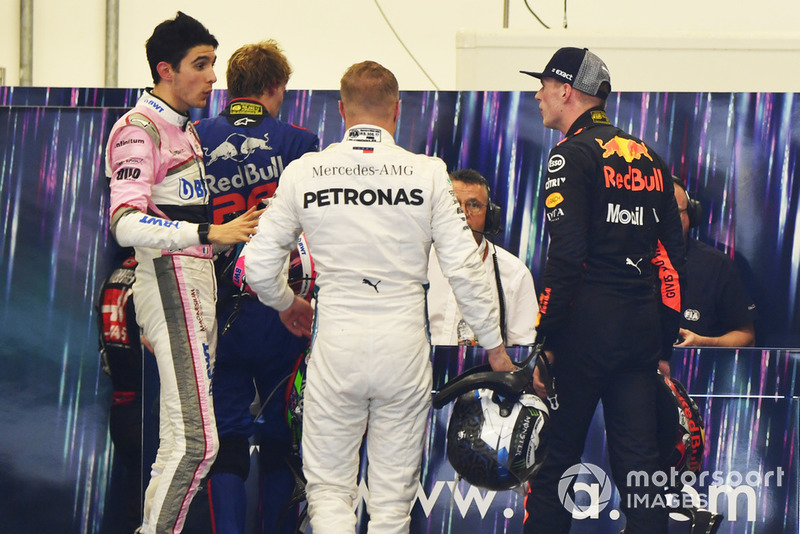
x=164, y=110
x=245, y=106
x=590, y=117
x=367, y=133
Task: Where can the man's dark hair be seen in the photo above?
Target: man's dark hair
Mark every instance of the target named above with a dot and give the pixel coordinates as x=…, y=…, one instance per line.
x=470, y=176
x=172, y=40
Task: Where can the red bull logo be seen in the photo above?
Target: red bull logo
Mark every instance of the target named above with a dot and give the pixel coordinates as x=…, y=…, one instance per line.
x=628, y=149
x=633, y=179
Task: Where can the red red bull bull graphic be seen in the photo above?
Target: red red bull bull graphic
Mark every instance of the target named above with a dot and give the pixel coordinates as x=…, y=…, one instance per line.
x=627, y=149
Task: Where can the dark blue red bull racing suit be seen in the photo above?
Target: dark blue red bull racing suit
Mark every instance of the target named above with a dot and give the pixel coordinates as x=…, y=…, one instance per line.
x=245, y=152
x=609, y=310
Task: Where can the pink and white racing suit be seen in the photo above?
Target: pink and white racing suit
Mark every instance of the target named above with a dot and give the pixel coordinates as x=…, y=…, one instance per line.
x=158, y=198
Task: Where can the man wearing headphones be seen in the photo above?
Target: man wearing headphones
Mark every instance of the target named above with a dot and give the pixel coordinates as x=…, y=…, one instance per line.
x=509, y=276
x=717, y=311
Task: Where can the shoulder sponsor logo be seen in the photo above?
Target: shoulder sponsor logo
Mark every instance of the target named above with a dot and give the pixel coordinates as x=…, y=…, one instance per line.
x=369, y=135
x=691, y=315
x=554, y=182
x=628, y=149
x=617, y=215
x=633, y=179
x=366, y=197
x=556, y=163
x=554, y=200
x=127, y=174
x=129, y=142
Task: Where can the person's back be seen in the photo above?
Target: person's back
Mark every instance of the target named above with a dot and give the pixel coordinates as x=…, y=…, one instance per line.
x=244, y=161
x=366, y=214
x=370, y=211
x=622, y=205
x=246, y=148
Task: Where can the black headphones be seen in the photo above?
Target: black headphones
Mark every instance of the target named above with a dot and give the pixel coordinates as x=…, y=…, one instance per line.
x=693, y=208
x=494, y=216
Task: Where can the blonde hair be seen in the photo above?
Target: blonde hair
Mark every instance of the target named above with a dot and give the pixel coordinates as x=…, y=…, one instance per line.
x=255, y=68
x=370, y=87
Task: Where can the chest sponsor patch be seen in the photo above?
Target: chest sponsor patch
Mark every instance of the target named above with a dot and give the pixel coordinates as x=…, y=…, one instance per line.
x=554, y=200
x=556, y=163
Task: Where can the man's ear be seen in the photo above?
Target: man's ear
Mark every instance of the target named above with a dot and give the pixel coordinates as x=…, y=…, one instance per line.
x=341, y=111
x=165, y=71
x=566, y=91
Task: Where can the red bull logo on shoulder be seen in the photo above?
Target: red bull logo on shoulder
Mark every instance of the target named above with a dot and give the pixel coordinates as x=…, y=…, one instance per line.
x=628, y=149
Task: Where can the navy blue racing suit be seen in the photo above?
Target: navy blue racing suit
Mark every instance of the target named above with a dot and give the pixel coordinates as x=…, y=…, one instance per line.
x=609, y=311
x=245, y=152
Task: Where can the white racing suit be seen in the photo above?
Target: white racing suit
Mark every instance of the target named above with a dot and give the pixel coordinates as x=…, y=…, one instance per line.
x=158, y=195
x=370, y=211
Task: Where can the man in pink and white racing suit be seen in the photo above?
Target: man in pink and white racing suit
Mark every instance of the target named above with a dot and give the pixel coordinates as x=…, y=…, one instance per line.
x=158, y=205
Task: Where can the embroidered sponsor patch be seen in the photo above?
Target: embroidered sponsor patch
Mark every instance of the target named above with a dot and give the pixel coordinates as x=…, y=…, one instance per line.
x=554, y=200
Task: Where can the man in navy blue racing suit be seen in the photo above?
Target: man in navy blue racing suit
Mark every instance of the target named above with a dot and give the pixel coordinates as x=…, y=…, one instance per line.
x=246, y=149
x=610, y=307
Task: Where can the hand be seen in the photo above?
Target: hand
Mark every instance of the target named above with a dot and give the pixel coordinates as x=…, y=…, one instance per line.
x=298, y=317
x=499, y=359
x=663, y=366
x=538, y=383
x=690, y=339
x=235, y=231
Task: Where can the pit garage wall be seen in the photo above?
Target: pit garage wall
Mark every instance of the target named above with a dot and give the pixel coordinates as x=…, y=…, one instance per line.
x=737, y=152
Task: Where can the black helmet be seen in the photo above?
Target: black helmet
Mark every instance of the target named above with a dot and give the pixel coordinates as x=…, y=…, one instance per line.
x=680, y=427
x=498, y=434
x=497, y=443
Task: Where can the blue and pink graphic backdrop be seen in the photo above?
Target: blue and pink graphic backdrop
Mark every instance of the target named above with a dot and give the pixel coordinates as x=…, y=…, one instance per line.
x=737, y=152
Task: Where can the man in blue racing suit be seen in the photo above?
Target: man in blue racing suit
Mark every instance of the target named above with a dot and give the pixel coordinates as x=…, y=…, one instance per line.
x=246, y=149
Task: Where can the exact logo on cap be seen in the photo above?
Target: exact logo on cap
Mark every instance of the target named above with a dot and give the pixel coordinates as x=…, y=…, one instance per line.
x=561, y=73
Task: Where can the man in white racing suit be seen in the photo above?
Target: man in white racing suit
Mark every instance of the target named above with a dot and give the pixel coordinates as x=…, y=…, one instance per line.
x=510, y=278
x=369, y=210
x=158, y=205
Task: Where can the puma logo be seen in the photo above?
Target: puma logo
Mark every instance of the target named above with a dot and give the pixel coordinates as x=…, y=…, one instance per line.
x=630, y=262
x=374, y=286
